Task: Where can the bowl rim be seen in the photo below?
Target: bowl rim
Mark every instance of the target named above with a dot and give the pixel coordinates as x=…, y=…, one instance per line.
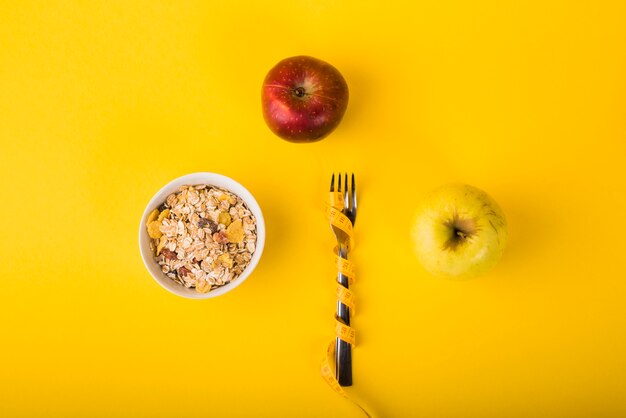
x=213, y=179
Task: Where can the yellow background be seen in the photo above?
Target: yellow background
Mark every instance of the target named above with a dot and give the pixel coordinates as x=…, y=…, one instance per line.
x=103, y=102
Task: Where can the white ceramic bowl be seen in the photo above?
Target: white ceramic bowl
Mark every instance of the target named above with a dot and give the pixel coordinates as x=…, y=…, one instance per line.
x=213, y=179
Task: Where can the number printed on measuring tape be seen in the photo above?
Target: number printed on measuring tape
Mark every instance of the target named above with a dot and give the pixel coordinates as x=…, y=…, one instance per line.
x=336, y=200
x=345, y=267
x=339, y=220
x=345, y=333
x=346, y=297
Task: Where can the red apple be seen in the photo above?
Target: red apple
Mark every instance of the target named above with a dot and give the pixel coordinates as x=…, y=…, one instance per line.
x=304, y=99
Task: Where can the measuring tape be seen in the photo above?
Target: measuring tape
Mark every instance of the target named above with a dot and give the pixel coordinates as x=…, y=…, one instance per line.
x=344, y=295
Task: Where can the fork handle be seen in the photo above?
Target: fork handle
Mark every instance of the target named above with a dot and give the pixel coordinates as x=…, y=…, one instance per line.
x=343, y=361
x=343, y=350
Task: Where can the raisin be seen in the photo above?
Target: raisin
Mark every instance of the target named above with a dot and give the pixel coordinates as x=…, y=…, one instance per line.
x=204, y=223
x=182, y=272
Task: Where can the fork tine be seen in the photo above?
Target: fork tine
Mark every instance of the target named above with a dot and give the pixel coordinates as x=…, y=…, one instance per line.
x=339, y=183
x=332, y=183
x=353, y=191
x=346, y=203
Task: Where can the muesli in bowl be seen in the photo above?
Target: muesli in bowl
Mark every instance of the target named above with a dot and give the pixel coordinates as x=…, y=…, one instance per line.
x=202, y=236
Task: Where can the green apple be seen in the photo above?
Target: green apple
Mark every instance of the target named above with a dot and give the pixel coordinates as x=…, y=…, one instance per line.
x=459, y=232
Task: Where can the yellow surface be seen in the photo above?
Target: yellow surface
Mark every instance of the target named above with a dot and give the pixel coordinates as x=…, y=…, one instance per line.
x=103, y=102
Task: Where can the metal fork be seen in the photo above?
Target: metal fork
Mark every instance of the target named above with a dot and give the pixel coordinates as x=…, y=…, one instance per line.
x=343, y=349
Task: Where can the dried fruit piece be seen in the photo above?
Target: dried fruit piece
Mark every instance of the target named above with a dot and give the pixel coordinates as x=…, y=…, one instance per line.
x=153, y=215
x=203, y=286
x=161, y=245
x=154, y=229
x=207, y=223
x=183, y=271
x=225, y=260
x=163, y=215
x=235, y=232
x=220, y=237
x=224, y=218
x=169, y=255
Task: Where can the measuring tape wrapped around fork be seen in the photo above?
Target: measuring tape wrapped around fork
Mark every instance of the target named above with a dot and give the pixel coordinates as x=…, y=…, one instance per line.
x=343, y=227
